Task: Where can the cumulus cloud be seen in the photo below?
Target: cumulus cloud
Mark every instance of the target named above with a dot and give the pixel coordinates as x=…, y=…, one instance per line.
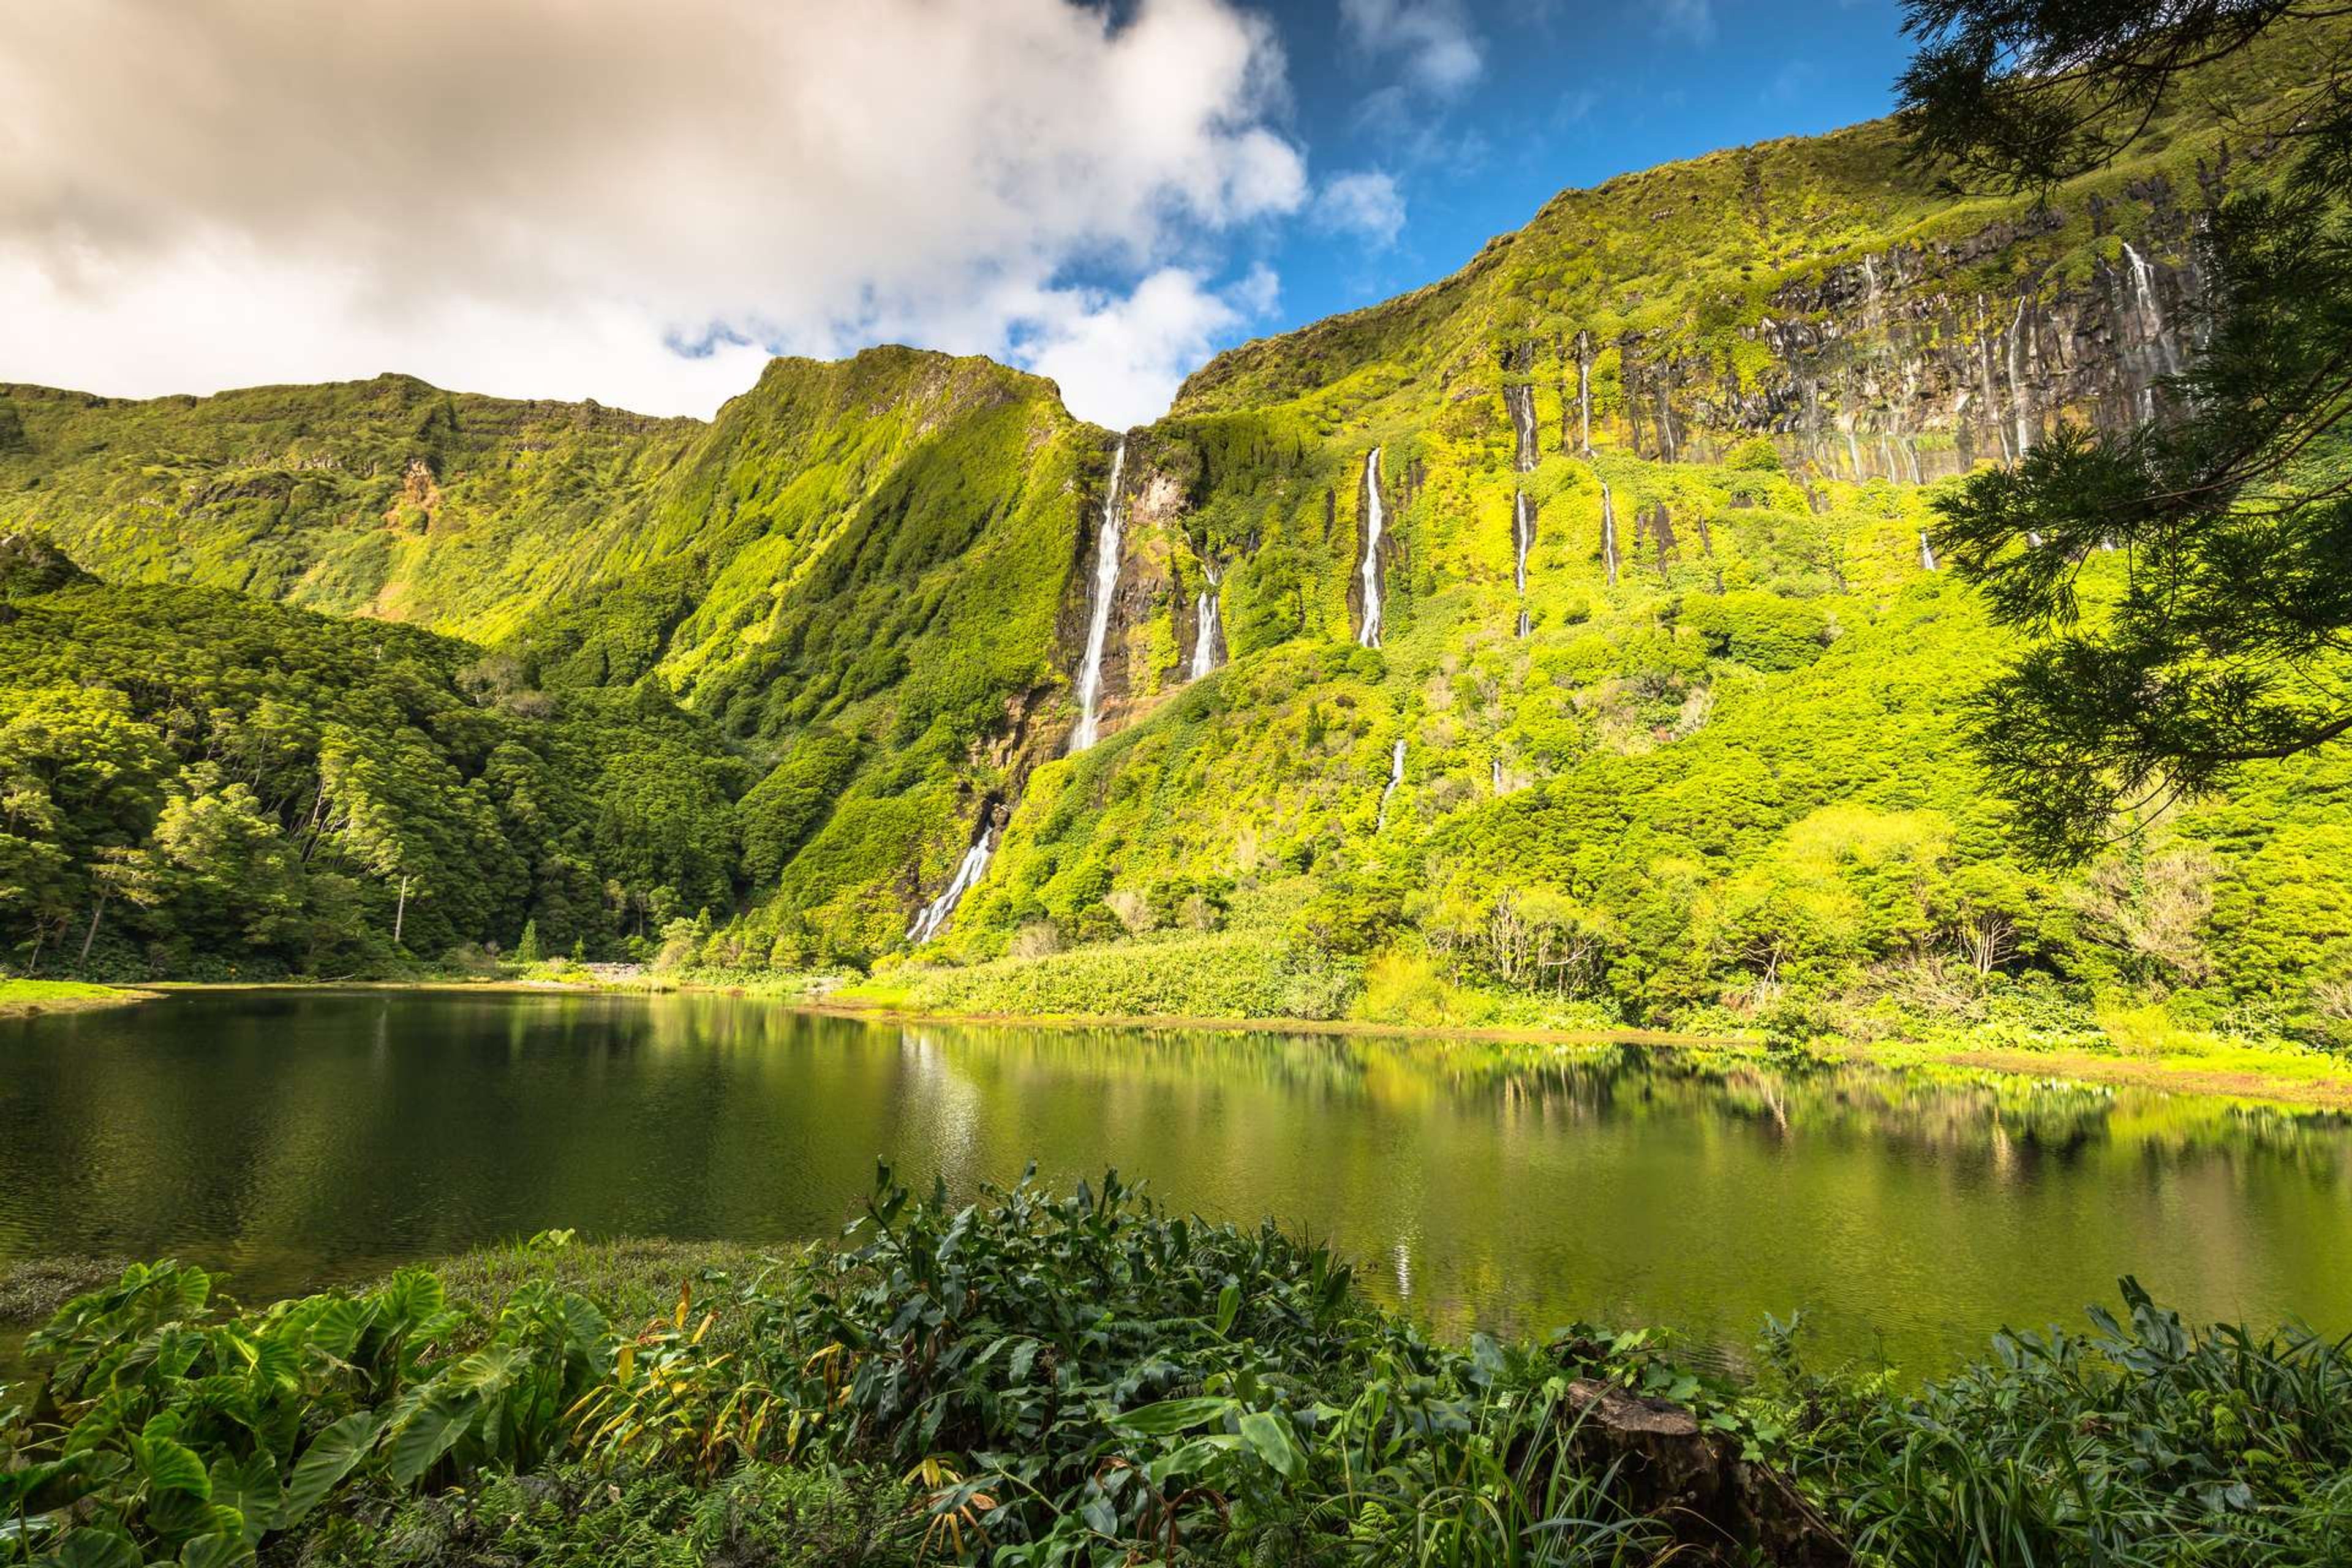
x=1122, y=356
x=1365, y=202
x=598, y=197
x=1433, y=41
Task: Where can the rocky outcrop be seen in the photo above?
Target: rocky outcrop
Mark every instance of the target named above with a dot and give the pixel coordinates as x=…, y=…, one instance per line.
x=1901, y=365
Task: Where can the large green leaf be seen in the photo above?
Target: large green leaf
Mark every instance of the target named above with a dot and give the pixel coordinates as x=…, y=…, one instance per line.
x=426, y=1435
x=1269, y=1437
x=250, y=1487
x=1170, y=1415
x=215, y=1552
x=91, y=1548
x=332, y=1455
x=167, y=1465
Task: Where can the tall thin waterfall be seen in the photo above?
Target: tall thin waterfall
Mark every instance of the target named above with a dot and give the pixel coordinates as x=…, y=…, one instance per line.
x=2151, y=310
x=2158, y=358
x=1396, y=777
x=1523, y=535
x=1609, y=533
x=1204, y=621
x=935, y=915
x=2019, y=407
x=1584, y=391
x=1498, y=775
x=1520, y=400
x=1927, y=553
x=1984, y=367
x=1098, y=617
x=1369, y=635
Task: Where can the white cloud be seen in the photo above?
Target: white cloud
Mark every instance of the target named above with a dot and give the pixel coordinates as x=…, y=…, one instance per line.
x=533, y=196
x=1123, y=357
x=1693, y=19
x=1434, y=40
x=1365, y=202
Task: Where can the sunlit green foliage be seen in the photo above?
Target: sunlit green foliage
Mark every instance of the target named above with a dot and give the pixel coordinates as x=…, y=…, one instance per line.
x=197, y=783
x=1085, y=1377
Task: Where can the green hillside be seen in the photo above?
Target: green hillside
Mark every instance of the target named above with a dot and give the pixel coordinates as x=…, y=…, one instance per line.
x=1668, y=676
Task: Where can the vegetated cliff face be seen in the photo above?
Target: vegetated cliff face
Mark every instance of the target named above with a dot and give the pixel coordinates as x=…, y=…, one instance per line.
x=877, y=577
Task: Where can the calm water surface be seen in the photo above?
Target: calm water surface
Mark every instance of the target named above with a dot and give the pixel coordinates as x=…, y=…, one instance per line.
x=295, y=1138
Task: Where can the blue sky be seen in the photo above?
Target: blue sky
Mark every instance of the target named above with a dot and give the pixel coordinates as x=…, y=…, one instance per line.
x=640, y=203
x=1545, y=97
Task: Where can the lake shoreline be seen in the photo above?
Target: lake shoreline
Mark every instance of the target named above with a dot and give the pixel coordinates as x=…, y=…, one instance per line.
x=36, y=998
x=2326, y=1091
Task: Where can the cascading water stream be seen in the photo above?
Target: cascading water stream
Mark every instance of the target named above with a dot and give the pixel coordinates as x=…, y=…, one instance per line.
x=1523, y=538
x=1204, y=620
x=1927, y=553
x=2158, y=356
x=1609, y=533
x=2019, y=407
x=1370, y=634
x=936, y=914
x=1396, y=777
x=1584, y=392
x=1107, y=540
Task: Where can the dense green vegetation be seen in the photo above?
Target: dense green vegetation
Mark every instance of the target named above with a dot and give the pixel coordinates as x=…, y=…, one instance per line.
x=1087, y=1378
x=199, y=784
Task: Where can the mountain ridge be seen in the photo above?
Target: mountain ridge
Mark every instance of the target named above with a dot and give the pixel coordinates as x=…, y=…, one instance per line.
x=1621, y=488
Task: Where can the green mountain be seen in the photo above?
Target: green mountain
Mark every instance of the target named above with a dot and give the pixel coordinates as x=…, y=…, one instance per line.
x=1565, y=638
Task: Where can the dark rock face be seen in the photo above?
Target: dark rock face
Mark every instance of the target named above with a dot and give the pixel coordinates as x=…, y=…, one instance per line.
x=1894, y=367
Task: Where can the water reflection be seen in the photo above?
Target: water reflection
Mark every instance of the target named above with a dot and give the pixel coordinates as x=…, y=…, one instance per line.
x=299, y=1136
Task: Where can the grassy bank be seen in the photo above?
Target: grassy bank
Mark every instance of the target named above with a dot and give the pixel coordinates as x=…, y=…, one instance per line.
x=25, y=998
x=1083, y=1378
x=1239, y=982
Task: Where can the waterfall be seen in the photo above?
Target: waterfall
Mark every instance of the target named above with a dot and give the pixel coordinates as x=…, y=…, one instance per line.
x=1098, y=618
x=936, y=914
x=1927, y=553
x=2150, y=312
x=1499, y=775
x=1396, y=777
x=2018, y=404
x=2156, y=356
x=1520, y=400
x=1853, y=454
x=1584, y=391
x=1523, y=535
x=1370, y=636
x=1984, y=367
x=1609, y=533
x=1204, y=640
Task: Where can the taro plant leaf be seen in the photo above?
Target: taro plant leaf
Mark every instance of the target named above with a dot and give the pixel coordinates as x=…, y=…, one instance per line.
x=332, y=1455
x=216, y=1551
x=93, y=1549
x=166, y=1464
x=427, y=1434
x=1229, y=1305
x=1170, y=1415
x=250, y=1487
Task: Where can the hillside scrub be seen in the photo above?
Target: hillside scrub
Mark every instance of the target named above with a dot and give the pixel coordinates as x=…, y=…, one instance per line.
x=1083, y=1377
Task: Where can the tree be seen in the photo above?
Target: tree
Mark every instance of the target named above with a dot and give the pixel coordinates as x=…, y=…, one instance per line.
x=527, y=948
x=2226, y=639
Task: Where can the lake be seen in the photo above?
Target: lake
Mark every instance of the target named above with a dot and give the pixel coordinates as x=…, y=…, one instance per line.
x=300, y=1137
